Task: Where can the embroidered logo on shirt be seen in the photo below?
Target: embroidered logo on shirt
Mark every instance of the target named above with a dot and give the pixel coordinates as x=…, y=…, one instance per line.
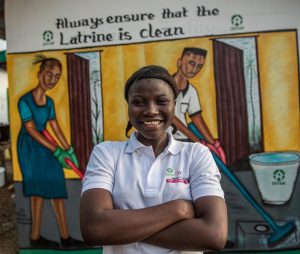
x=175, y=176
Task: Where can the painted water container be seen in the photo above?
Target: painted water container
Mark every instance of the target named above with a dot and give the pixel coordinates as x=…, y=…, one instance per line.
x=276, y=174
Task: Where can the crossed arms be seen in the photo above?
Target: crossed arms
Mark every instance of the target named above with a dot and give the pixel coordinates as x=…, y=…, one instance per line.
x=177, y=224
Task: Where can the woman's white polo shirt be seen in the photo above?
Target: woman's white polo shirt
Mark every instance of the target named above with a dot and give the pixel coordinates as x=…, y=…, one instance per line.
x=136, y=179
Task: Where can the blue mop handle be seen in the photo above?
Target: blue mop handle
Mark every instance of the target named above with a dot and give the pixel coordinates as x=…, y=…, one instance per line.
x=230, y=175
x=244, y=192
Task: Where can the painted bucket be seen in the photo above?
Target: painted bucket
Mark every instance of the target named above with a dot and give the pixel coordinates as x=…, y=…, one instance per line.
x=276, y=174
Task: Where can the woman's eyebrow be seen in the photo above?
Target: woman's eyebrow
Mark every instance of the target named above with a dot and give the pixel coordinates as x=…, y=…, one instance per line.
x=136, y=95
x=141, y=95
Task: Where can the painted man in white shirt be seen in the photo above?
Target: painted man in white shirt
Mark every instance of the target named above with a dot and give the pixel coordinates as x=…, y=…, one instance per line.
x=187, y=102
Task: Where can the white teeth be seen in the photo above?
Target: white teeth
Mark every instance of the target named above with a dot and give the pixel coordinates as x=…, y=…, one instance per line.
x=152, y=123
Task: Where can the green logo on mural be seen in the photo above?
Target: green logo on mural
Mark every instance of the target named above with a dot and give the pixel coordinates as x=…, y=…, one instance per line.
x=48, y=36
x=237, y=22
x=279, y=177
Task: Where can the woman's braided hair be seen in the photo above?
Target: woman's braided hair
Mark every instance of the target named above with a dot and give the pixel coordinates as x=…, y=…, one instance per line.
x=151, y=71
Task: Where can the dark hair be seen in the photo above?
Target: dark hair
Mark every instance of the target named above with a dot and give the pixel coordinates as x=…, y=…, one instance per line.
x=151, y=71
x=196, y=51
x=46, y=62
x=128, y=128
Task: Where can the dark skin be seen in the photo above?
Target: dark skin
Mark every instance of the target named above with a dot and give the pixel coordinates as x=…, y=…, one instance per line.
x=177, y=224
x=151, y=111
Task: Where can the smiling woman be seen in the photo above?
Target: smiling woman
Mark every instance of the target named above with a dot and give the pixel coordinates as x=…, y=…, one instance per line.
x=151, y=105
x=151, y=109
x=152, y=194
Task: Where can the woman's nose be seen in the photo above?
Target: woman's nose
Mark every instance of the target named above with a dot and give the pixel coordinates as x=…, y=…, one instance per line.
x=151, y=109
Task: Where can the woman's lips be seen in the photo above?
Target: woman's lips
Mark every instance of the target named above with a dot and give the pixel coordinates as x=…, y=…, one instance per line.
x=152, y=123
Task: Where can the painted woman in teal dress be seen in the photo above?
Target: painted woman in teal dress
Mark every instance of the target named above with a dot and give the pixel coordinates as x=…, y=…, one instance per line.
x=41, y=162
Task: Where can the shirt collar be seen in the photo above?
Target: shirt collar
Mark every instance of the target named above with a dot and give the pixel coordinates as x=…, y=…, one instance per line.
x=184, y=90
x=133, y=144
x=174, y=146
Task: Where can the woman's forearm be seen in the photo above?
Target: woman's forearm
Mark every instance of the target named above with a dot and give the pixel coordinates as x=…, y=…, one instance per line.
x=191, y=234
x=207, y=232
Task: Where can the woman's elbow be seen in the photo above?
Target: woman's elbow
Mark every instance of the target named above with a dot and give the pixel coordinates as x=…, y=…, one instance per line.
x=88, y=235
x=219, y=240
x=92, y=235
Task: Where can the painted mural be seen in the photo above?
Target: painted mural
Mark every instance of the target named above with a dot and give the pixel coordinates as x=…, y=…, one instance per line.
x=239, y=96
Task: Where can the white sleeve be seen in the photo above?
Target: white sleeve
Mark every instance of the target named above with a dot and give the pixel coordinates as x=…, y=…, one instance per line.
x=100, y=169
x=194, y=103
x=204, y=175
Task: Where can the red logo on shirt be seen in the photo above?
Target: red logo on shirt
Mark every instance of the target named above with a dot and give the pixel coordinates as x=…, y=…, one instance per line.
x=177, y=180
x=175, y=176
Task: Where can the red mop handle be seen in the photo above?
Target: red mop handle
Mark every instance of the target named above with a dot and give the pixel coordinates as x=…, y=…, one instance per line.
x=76, y=170
x=49, y=137
x=69, y=162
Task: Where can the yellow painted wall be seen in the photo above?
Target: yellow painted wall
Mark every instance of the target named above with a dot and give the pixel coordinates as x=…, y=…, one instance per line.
x=279, y=82
x=278, y=70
